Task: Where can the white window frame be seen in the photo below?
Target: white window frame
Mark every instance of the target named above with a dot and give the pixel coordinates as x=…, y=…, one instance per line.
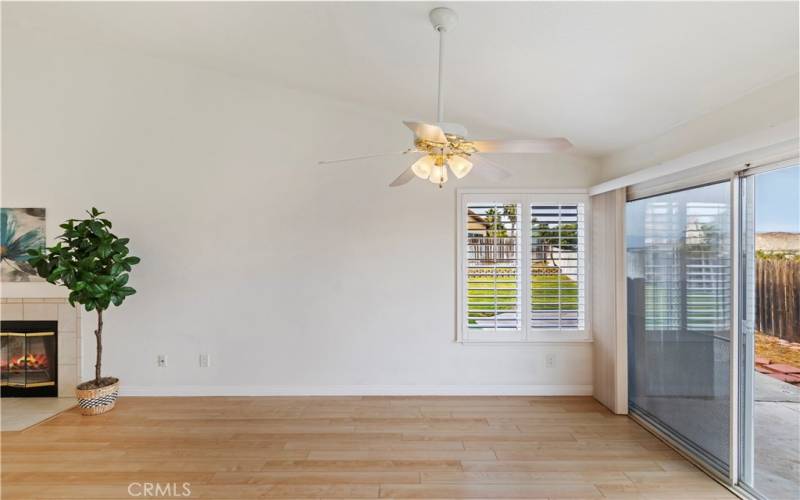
x=523, y=197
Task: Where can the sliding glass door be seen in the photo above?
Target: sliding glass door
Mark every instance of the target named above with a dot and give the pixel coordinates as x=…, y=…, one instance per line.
x=769, y=342
x=679, y=317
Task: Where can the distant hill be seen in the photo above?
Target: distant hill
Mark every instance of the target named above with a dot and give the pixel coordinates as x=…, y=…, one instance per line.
x=778, y=242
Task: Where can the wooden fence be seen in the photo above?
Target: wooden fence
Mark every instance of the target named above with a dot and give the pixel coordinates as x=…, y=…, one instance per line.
x=492, y=250
x=778, y=298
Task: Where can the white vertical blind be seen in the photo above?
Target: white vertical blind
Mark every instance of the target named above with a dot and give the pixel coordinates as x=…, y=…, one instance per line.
x=493, y=285
x=557, y=266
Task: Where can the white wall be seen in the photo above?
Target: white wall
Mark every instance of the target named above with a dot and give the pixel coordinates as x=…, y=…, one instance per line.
x=753, y=115
x=295, y=278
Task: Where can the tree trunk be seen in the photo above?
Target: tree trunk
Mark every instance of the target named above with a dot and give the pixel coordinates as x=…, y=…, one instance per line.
x=99, y=335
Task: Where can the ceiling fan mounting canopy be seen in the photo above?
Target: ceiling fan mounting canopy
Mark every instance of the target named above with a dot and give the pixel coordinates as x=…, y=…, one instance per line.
x=442, y=18
x=444, y=146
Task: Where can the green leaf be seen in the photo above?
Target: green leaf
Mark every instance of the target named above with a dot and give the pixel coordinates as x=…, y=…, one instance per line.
x=103, y=302
x=104, y=251
x=89, y=260
x=104, y=279
x=96, y=228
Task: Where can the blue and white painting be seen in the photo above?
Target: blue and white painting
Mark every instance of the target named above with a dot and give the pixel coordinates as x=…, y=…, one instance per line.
x=20, y=230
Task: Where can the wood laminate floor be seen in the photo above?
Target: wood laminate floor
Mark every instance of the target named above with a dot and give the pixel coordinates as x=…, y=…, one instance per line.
x=348, y=447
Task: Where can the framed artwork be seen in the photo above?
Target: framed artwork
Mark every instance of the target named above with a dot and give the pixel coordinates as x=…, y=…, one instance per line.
x=20, y=230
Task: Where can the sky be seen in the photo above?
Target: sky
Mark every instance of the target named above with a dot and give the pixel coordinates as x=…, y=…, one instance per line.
x=778, y=200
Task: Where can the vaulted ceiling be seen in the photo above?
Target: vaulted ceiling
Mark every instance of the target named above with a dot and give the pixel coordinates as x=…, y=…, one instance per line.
x=606, y=75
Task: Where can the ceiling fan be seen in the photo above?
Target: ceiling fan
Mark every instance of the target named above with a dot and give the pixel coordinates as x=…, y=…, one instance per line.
x=445, y=145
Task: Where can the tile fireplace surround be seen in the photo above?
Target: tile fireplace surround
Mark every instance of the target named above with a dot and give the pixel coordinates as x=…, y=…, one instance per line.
x=69, y=333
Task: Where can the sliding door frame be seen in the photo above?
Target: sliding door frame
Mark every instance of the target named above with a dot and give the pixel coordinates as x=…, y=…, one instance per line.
x=738, y=417
x=735, y=322
x=741, y=432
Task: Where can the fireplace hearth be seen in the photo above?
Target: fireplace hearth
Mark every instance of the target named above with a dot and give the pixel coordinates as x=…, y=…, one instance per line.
x=28, y=361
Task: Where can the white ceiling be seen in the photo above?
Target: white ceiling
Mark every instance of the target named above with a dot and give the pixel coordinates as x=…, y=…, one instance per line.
x=606, y=75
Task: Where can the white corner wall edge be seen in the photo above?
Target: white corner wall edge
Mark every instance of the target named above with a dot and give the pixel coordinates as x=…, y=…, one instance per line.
x=783, y=136
x=358, y=390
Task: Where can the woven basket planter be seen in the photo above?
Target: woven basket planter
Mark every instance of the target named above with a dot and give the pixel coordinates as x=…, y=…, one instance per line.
x=97, y=401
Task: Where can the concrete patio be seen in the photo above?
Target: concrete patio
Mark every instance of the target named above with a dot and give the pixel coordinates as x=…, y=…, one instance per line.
x=776, y=413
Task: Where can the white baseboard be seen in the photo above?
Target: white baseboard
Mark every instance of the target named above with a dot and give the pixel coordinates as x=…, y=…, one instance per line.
x=357, y=390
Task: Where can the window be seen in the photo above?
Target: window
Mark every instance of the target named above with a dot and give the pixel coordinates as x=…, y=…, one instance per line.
x=557, y=266
x=522, y=261
x=493, y=267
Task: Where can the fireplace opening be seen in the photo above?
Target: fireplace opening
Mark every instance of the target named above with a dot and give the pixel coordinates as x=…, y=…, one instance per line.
x=28, y=358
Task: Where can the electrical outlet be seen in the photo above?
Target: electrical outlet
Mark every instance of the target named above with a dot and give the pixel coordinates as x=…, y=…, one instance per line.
x=549, y=360
x=205, y=360
x=162, y=361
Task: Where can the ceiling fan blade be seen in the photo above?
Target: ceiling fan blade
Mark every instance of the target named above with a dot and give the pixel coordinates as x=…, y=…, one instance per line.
x=488, y=168
x=366, y=157
x=403, y=178
x=523, y=145
x=426, y=131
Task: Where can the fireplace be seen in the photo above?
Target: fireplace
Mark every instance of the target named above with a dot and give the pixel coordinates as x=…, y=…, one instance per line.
x=28, y=361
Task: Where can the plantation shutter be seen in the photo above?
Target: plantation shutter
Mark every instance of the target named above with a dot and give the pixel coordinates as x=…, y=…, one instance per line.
x=492, y=265
x=557, y=266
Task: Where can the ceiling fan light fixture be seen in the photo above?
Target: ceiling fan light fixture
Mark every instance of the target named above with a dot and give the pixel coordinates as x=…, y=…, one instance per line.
x=422, y=167
x=459, y=165
x=444, y=145
x=438, y=174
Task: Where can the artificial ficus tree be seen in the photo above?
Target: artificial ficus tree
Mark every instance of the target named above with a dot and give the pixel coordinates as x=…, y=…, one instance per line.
x=93, y=263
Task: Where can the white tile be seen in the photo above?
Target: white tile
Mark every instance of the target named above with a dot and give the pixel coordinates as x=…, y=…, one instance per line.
x=67, y=380
x=40, y=312
x=21, y=413
x=67, y=318
x=67, y=348
x=11, y=311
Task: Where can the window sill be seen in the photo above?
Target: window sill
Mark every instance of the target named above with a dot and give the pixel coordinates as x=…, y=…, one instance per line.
x=524, y=342
x=537, y=337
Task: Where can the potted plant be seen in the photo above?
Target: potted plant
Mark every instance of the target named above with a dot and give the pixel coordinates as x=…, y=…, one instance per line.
x=93, y=263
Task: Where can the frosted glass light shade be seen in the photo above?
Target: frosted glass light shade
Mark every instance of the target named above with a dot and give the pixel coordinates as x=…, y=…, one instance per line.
x=438, y=174
x=459, y=165
x=422, y=167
